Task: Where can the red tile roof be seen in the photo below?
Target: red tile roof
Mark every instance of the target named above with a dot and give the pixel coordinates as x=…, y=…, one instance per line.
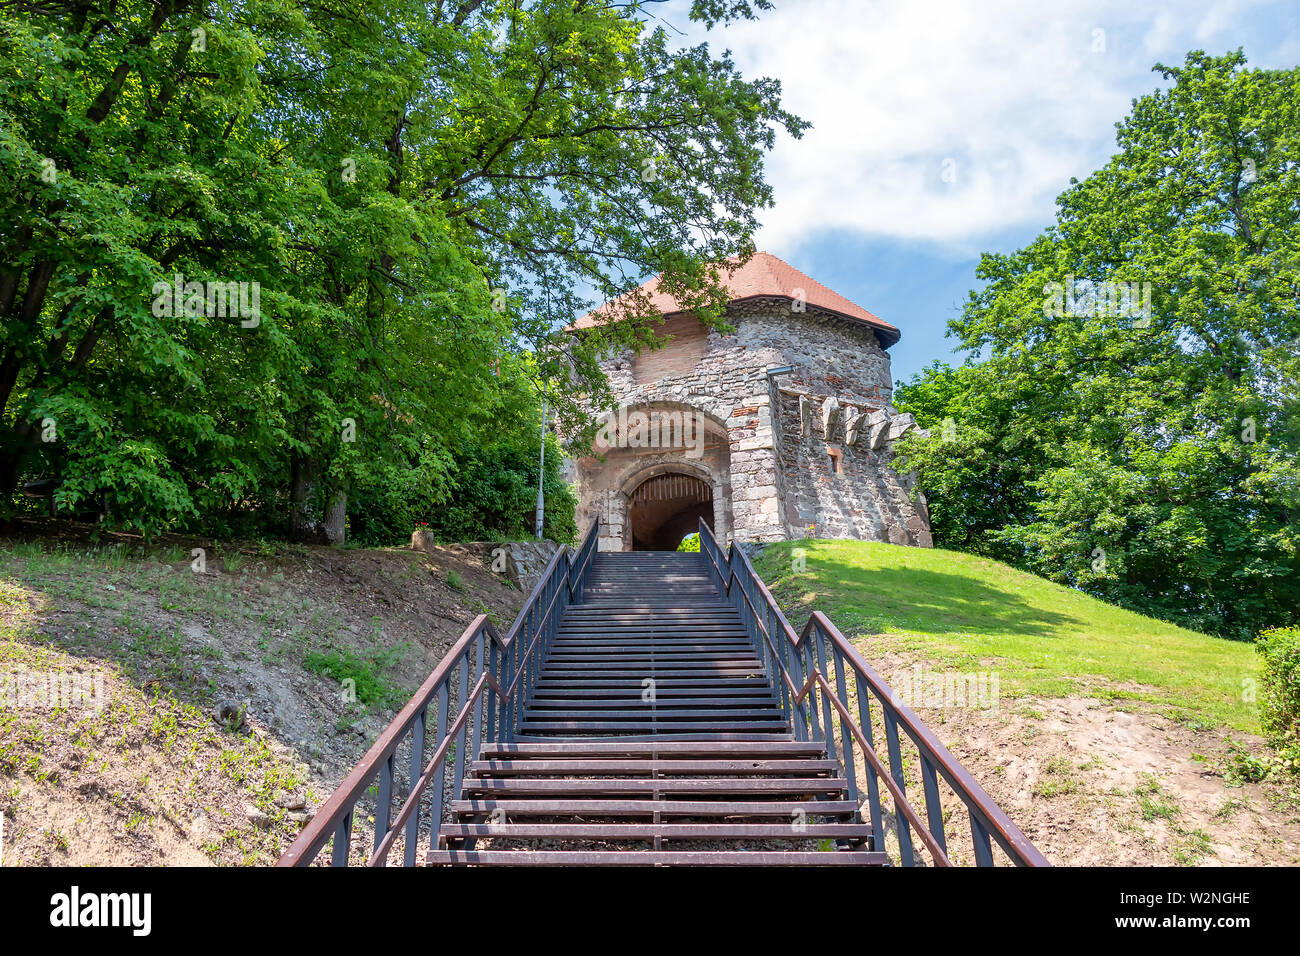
x=763, y=276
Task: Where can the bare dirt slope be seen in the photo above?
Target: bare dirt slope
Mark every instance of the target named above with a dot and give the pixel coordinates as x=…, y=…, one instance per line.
x=1098, y=780
x=1114, y=739
x=1096, y=784
x=147, y=775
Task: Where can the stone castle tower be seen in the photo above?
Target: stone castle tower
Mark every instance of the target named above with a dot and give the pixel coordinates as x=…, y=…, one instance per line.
x=779, y=430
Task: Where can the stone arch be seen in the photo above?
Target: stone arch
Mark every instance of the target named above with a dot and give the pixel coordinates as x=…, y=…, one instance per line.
x=714, y=412
x=632, y=476
x=607, y=479
x=666, y=502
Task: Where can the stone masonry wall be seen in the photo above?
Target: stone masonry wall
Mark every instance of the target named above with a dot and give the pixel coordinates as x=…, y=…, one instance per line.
x=774, y=480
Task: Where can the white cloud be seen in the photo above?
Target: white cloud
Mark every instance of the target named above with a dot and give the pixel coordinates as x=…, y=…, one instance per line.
x=1012, y=93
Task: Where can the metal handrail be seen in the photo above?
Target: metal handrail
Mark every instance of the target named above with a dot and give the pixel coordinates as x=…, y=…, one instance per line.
x=487, y=712
x=809, y=689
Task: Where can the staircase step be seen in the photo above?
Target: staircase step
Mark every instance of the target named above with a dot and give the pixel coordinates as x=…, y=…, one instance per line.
x=594, y=669
x=662, y=702
x=631, y=832
x=602, y=729
x=648, y=709
x=507, y=787
x=653, y=766
x=656, y=858
x=785, y=809
x=621, y=682
x=658, y=732
x=630, y=690
x=677, y=748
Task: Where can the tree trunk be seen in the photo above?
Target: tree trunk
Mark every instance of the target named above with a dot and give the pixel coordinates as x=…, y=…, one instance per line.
x=11, y=459
x=336, y=518
x=306, y=523
x=303, y=525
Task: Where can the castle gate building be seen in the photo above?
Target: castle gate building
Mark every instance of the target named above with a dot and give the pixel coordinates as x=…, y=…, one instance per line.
x=779, y=430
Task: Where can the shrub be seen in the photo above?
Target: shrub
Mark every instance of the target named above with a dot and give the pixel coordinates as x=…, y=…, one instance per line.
x=372, y=689
x=494, y=495
x=1280, y=705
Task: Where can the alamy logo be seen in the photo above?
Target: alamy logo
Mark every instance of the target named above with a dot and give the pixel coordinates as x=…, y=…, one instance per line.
x=656, y=428
x=1087, y=297
x=179, y=298
x=52, y=690
x=73, y=909
x=920, y=687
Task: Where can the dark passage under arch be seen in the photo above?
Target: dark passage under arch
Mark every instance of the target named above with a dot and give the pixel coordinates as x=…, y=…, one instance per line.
x=664, y=508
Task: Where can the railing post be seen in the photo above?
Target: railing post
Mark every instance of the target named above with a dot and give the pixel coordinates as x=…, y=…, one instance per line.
x=384, y=805
x=819, y=640
x=462, y=737
x=342, y=840
x=873, y=785
x=896, y=771
x=575, y=593
x=494, y=670
x=933, y=809
x=810, y=701
x=439, y=775
x=535, y=625
x=417, y=768
x=476, y=718
x=794, y=669
x=778, y=637
x=516, y=655
x=846, y=737
x=508, y=680
x=983, y=846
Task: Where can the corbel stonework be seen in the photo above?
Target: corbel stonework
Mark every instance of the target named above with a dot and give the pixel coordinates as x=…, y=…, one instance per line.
x=852, y=423
x=830, y=412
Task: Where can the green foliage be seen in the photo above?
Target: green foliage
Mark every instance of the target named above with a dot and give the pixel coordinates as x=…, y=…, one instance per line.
x=494, y=494
x=1243, y=766
x=366, y=670
x=976, y=474
x=1153, y=461
x=378, y=173
x=482, y=488
x=690, y=543
x=1280, y=703
x=969, y=613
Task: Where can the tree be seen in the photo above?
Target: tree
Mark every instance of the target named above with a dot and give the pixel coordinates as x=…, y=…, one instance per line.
x=413, y=196
x=1145, y=454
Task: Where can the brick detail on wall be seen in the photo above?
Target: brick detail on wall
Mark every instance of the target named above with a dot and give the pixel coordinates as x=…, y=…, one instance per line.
x=686, y=339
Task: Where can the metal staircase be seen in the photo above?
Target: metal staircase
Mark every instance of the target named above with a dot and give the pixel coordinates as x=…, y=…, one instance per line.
x=653, y=649
x=652, y=715
x=649, y=709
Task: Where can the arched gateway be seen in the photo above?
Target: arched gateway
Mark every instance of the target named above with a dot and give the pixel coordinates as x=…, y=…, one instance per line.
x=781, y=429
x=665, y=508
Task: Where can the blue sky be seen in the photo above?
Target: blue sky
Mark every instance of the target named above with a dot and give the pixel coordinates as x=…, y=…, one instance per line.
x=1010, y=98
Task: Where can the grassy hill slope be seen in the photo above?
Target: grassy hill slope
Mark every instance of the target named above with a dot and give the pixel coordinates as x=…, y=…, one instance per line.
x=1116, y=739
x=149, y=775
x=969, y=613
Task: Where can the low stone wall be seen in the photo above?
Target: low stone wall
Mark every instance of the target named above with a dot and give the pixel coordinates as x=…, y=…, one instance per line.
x=522, y=562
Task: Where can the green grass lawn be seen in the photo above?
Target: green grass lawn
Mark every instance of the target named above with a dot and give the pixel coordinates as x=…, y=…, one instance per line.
x=969, y=614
